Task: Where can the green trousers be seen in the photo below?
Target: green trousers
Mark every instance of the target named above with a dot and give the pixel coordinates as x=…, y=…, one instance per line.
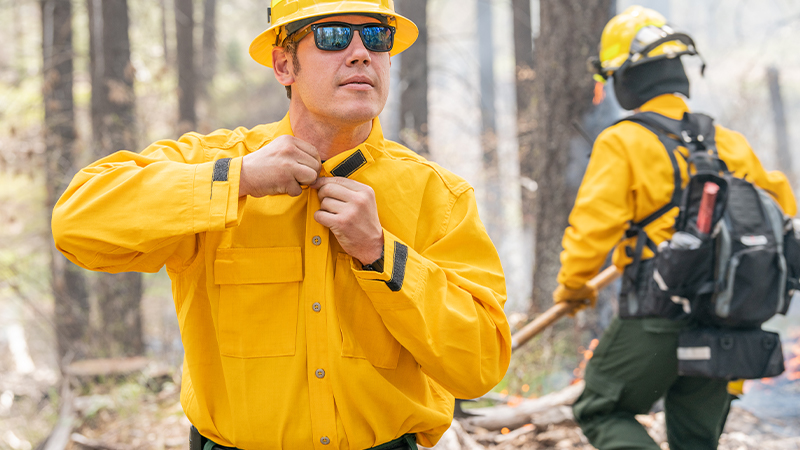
x=634, y=365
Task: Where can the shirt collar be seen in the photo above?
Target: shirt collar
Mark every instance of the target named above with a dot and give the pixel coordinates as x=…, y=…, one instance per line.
x=669, y=105
x=350, y=162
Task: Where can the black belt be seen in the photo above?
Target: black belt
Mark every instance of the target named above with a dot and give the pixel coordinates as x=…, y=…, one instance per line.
x=198, y=442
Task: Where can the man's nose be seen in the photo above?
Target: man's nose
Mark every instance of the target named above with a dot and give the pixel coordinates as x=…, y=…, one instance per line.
x=358, y=53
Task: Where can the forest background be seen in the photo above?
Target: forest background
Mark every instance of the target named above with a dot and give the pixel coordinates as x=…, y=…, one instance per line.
x=495, y=90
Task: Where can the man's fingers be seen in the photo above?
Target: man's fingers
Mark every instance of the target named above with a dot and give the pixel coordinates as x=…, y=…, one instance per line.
x=332, y=205
x=335, y=190
x=307, y=148
x=324, y=218
x=294, y=189
x=309, y=161
x=346, y=183
x=305, y=175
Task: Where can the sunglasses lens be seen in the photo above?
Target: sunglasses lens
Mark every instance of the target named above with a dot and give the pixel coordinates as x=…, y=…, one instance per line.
x=333, y=37
x=378, y=38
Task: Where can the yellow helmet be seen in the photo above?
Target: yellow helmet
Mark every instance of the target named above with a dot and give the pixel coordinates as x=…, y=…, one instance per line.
x=637, y=36
x=284, y=12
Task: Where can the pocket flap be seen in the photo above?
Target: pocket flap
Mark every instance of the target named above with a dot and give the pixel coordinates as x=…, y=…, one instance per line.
x=258, y=265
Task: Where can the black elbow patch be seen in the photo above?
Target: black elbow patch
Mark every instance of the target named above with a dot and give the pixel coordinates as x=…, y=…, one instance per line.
x=399, y=267
x=221, y=168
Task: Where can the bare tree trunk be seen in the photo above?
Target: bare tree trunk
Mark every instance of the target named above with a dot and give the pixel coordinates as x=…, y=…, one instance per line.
x=414, y=81
x=68, y=281
x=187, y=74
x=114, y=128
x=523, y=53
x=164, y=39
x=570, y=33
x=209, y=66
x=493, y=202
x=781, y=130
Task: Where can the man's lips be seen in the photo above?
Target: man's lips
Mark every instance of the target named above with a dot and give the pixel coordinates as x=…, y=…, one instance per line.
x=357, y=81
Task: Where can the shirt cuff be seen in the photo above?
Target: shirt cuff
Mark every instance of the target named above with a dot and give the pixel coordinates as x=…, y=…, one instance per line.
x=395, y=261
x=217, y=205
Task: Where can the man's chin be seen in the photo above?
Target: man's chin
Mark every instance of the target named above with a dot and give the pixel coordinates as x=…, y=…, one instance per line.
x=358, y=115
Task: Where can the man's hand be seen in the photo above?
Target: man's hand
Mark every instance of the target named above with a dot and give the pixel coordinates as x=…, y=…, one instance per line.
x=580, y=298
x=348, y=209
x=281, y=167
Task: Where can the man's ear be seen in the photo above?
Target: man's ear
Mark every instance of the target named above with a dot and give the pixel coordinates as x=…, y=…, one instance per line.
x=282, y=66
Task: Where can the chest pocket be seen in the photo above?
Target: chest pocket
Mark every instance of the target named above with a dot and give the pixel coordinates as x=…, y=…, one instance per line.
x=363, y=333
x=259, y=297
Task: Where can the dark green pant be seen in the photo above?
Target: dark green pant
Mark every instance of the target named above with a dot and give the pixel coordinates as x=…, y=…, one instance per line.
x=636, y=364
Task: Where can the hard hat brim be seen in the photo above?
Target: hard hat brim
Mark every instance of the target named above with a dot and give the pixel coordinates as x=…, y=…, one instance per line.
x=667, y=50
x=405, y=35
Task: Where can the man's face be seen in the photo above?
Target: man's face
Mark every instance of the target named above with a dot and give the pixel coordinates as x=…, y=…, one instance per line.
x=349, y=86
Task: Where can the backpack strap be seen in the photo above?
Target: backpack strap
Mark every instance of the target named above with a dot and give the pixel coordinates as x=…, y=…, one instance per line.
x=668, y=132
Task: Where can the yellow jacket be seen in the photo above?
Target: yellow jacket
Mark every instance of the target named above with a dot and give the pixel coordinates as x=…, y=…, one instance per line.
x=629, y=177
x=288, y=343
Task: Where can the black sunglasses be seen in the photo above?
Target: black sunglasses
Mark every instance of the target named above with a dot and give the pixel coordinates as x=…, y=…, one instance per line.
x=335, y=36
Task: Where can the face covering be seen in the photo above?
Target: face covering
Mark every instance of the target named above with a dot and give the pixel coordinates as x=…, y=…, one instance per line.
x=635, y=86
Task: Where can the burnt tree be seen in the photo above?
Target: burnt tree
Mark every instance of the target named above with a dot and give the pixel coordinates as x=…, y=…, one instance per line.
x=164, y=39
x=570, y=33
x=187, y=74
x=114, y=128
x=782, y=147
x=493, y=201
x=68, y=281
x=209, y=66
x=414, y=81
x=523, y=54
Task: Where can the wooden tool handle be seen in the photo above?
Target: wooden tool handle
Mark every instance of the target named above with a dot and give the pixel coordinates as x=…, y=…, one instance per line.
x=561, y=309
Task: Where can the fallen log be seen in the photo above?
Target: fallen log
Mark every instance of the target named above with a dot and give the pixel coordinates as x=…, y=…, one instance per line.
x=456, y=438
x=107, y=367
x=93, y=444
x=513, y=417
x=60, y=436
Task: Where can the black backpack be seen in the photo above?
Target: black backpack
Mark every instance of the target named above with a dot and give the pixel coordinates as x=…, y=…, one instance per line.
x=737, y=276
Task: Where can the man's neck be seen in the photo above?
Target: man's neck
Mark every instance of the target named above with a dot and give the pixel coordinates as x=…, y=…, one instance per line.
x=329, y=137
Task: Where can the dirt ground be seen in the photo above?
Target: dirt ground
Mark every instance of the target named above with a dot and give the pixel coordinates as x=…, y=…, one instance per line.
x=142, y=411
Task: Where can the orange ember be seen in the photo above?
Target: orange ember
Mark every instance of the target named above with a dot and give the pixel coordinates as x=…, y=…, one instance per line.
x=587, y=355
x=505, y=430
x=525, y=388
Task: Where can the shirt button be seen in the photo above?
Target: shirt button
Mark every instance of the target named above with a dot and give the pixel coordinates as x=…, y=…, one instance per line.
x=316, y=240
x=325, y=440
x=320, y=373
x=316, y=307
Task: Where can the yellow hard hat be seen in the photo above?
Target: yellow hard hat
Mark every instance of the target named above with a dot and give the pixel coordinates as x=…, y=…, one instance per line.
x=283, y=12
x=637, y=36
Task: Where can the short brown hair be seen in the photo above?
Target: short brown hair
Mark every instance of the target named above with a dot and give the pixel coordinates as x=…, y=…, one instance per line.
x=290, y=48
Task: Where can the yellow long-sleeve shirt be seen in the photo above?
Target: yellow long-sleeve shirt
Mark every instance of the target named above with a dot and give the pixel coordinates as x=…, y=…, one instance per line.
x=629, y=177
x=288, y=343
